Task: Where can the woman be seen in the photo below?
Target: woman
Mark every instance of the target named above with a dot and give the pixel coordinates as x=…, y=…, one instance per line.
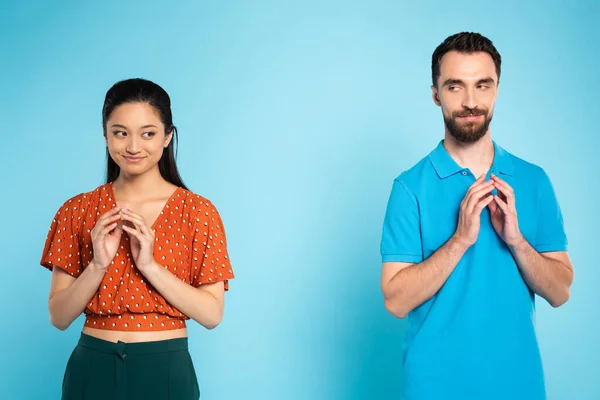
x=139, y=255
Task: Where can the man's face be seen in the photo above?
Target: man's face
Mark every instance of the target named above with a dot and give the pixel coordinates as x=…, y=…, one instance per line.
x=466, y=90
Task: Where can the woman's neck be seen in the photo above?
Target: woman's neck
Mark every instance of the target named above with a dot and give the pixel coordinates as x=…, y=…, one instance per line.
x=148, y=184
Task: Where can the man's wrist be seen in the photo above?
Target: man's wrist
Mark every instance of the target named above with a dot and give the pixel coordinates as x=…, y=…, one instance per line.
x=458, y=242
x=517, y=243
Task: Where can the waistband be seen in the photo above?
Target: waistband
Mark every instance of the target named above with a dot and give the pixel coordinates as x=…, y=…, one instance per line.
x=122, y=348
x=134, y=322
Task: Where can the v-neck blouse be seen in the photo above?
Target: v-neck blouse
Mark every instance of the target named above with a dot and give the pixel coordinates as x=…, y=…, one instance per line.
x=190, y=242
x=113, y=203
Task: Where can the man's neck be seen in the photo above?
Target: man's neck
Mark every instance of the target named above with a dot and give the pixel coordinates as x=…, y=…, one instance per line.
x=477, y=157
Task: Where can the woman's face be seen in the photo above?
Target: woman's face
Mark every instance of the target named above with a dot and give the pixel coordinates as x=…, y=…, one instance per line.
x=136, y=138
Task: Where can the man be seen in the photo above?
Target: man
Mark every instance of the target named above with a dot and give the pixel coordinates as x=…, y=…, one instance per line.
x=471, y=233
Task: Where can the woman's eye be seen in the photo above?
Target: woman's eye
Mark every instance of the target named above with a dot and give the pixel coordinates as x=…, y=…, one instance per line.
x=148, y=134
x=119, y=133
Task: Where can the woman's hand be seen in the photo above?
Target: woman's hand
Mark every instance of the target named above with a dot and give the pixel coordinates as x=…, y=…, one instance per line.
x=141, y=240
x=106, y=237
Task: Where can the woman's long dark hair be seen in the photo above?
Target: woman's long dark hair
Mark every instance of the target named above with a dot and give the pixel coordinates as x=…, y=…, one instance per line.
x=144, y=91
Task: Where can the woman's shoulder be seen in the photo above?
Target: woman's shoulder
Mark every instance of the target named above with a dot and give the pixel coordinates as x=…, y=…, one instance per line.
x=194, y=199
x=82, y=200
x=198, y=207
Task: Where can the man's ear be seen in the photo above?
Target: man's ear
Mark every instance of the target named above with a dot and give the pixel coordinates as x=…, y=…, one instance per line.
x=435, y=96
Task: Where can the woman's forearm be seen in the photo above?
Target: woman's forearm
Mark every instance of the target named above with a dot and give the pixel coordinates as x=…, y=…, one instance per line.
x=67, y=304
x=200, y=305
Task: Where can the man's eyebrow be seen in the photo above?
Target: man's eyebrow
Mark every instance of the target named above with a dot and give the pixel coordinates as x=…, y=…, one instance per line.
x=489, y=81
x=452, y=81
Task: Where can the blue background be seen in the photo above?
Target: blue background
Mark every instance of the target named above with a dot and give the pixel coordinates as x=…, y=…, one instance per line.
x=308, y=110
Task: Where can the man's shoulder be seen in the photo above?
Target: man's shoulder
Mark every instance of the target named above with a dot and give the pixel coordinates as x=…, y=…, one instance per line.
x=525, y=168
x=416, y=172
x=419, y=174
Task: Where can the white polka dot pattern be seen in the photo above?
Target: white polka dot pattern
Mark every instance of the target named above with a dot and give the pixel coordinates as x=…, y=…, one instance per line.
x=190, y=243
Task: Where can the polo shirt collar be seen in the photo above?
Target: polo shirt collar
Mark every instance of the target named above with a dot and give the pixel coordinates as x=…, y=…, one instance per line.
x=445, y=165
x=502, y=161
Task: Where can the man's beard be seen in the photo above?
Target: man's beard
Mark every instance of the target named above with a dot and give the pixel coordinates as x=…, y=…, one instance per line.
x=469, y=132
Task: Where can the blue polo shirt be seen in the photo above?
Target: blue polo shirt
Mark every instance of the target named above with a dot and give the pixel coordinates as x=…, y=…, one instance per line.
x=475, y=338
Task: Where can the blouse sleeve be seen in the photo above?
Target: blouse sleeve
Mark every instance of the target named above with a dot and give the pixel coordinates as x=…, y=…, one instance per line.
x=210, y=260
x=62, y=248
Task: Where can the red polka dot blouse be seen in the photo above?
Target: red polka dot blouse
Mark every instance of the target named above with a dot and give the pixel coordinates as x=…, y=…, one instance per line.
x=189, y=242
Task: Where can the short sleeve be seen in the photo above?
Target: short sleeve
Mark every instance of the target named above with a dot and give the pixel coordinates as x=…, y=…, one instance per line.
x=210, y=261
x=401, y=237
x=550, y=234
x=62, y=248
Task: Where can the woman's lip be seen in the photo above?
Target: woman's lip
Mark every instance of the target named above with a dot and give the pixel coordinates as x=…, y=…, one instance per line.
x=133, y=159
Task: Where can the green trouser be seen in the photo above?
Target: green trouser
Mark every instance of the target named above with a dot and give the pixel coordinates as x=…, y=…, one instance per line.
x=103, y=370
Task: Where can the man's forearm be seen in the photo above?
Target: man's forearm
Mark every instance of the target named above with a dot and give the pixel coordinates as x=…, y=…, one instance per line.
x=414, y=285
x=547, y=277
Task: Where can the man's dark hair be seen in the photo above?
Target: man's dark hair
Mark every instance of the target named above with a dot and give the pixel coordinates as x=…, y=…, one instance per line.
x=464, y=42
